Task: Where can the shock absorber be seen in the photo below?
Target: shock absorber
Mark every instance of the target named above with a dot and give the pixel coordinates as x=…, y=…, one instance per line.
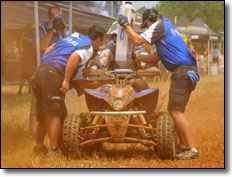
x=138, y=122
x=142, y=119
x=95, y=120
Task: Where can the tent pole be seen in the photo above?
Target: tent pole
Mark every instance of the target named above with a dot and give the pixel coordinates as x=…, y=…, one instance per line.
x=70, y=30
x=212, y=45
x=208, y=47
x=220, y=45
x=37, y=32
x=112, y=9
x=208, y=55
x=70, y=17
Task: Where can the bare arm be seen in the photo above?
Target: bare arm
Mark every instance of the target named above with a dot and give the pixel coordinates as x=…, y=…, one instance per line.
x=92, y=84
x=72, y=63
x=48, y=49
x=153, y=58
x=44, y=42
x=134, y=37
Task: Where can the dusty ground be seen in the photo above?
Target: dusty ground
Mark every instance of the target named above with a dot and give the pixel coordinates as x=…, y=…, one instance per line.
x=205, y=112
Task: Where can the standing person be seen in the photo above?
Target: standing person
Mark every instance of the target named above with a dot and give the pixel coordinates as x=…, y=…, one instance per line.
x=52, y=80
x=50, y=32
x=3, y=55
x=29, y=62
x=174, y=54
x=54, y=29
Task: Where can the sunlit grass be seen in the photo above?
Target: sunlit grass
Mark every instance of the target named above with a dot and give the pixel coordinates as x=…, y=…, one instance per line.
x=205, y=112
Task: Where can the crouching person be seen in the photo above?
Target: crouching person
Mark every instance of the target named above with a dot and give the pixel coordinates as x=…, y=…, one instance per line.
x=52, y=81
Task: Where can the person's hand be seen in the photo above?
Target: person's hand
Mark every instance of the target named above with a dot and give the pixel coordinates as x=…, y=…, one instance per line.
x=65, y=87
x=123, y=21
x=48, y=25
x=58, y=22
x=138, y=58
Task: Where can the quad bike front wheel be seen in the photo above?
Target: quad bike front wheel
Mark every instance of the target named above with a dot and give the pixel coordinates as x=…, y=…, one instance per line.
x=166, y=136
x=71, y=140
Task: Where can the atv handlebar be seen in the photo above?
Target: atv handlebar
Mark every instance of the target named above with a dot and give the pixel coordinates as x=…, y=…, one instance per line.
x=150, y=72
x=153, y=71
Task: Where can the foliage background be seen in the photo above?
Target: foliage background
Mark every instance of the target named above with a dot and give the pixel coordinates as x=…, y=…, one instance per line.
x=211, y=12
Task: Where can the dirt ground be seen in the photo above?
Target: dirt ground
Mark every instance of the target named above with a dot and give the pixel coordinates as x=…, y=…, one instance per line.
x=205, y=112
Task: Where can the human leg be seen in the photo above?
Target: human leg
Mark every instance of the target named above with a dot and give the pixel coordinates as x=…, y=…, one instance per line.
x=53, y=127
x=179, y=93
x=29, y=85
x=41, y=132
x=40, y=148
x=52, y=107
x=183, y=129
x=37, y=116
x=33, y=117
x=33, y=123
x=21, y=83
x=181, y=139
x=185, y=132
x=61, y=134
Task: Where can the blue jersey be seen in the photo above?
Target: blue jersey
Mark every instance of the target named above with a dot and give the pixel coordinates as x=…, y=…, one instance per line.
x=61, y=52
x=170, y=46
x=57, y=36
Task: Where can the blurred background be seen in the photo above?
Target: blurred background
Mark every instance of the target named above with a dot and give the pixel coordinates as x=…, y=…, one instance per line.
x=201, y=24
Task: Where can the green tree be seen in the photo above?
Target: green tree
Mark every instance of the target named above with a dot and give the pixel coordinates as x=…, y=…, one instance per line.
x=141, y=10
x=211, y=12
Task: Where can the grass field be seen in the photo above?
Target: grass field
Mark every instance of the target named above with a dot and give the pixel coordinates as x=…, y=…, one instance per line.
x=205, y=112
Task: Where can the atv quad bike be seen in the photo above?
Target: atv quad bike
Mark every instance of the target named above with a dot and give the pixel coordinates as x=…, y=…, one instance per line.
x=118, y=114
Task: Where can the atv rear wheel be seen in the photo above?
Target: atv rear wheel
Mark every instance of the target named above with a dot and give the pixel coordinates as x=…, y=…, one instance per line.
x=71, y=138
x=166, y=136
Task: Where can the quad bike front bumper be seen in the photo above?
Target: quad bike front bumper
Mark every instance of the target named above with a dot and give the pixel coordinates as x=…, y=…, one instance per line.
x=88, y=129
x=117, y=123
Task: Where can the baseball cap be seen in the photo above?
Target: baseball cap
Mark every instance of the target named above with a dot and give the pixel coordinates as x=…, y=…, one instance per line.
x=147, y=15
x=145, y=18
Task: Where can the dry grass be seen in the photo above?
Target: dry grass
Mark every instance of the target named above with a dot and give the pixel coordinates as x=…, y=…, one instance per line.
x=205, y=112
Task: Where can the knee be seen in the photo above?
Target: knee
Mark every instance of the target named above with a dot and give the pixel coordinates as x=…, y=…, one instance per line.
x=175, y=114
x=140, y=85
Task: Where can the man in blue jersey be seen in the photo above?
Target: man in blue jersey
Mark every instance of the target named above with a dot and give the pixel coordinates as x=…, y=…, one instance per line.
x=175, y=56
x=50, y=32
x=58, y=67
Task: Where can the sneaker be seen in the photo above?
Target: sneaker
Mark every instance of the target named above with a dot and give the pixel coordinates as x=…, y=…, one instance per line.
x=181, y=148
x=187, y=155
x=40, y=150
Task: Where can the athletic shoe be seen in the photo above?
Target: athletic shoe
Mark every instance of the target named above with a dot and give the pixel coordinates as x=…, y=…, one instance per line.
x=180, y=149
x=188, y=155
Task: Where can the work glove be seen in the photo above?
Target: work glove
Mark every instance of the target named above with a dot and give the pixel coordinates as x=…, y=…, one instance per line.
x=193, y=76
x=58, y=22
x=48, y=25
x=123, y=21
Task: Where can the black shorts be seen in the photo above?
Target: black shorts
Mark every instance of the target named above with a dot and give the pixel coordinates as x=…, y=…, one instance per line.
x=46, y=84
x=180, y=88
